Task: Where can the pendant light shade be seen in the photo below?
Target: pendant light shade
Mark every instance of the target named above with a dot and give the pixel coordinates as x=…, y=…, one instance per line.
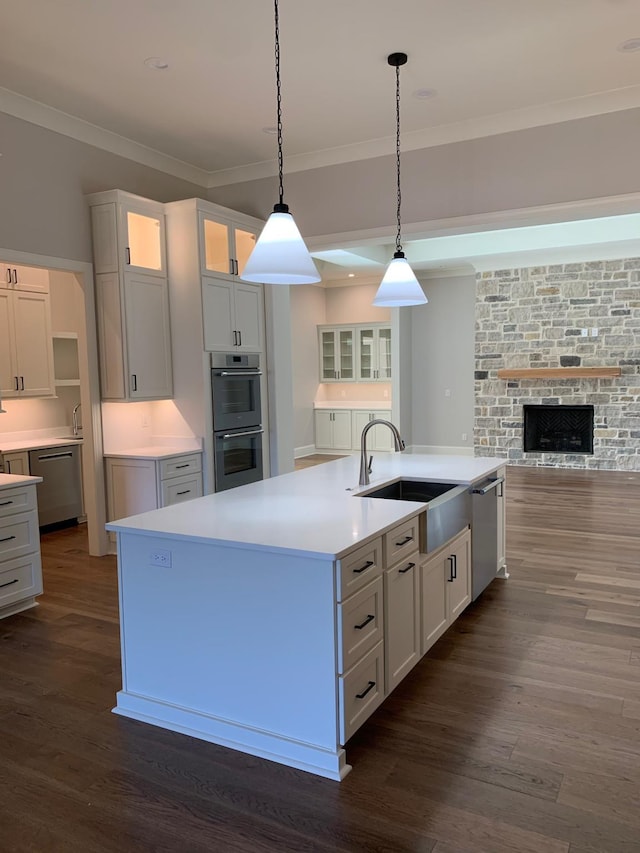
x=399, y=286
x=280, y=255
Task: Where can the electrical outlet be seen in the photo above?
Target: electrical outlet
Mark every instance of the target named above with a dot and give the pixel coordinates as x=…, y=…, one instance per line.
x=584, y=332
x=385, y=394
x=464, y=436
x=144, y=420
x=594, y=333
x=447, y=392
x=160, y=558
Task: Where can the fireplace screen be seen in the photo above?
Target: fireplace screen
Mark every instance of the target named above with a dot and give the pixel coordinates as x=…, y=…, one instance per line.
x=558, y=429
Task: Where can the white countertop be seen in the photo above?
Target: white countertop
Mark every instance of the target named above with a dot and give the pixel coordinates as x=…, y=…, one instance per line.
x=314, y=512
x=150, y=452
x=9, y=480
x=367, y=405
x=36, y=443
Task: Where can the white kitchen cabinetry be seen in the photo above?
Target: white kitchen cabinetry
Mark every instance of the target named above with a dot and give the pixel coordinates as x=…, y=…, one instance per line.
x=16, y=462
x=26, y=349
x=355, y=353
x=333, y=429
x=132, y=297
x=445, y=578
x=374, y=353
x=337, y=354
x=136, y=484
x=402, y=619
x=226, y=241
x=378, y=437
x=233, y=316
x=17, y=277
x=20, y=564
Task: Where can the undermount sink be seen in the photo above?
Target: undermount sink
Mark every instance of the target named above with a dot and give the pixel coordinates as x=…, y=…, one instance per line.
x=447, y=513
x=411, y=490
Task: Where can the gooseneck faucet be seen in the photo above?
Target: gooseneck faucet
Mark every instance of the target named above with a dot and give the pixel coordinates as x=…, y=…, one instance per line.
x=74, y=419
x=398, y=443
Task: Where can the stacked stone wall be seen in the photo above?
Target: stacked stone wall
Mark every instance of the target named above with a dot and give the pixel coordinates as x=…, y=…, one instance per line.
x=563, y=315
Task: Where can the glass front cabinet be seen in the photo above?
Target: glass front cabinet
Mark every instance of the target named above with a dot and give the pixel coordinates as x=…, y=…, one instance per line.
x=360, y=353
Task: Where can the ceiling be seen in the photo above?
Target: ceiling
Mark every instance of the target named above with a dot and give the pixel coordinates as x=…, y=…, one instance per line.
x=492, y=64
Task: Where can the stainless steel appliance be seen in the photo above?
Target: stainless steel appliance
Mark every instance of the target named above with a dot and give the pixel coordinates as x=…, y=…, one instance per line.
x=237, y=419
x=235, y=386
x=60, y=492
x=485, y=506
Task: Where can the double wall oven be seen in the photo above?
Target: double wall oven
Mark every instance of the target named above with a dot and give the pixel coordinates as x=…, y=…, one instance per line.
x=237, y=419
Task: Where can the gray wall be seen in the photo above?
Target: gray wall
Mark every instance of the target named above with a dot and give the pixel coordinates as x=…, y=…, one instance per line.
x=44, y=177
x=442, y=357
x=575, y=160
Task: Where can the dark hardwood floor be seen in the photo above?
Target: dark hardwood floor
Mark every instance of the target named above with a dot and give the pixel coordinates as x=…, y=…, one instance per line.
x=518, y=732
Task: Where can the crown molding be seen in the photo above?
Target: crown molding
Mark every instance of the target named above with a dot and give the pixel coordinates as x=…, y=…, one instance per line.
x=556, y=112
x=83, y=131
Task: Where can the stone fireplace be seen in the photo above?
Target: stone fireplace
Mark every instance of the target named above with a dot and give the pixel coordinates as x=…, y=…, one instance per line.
x=560, y=319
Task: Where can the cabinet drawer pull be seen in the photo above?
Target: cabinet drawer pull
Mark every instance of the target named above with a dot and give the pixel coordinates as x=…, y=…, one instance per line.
x=455, y=566
x=17, y=388
x=369, y=618
x=9, y=281
x=186, y=492
x=407, y=568
x=369, y=687
x=364, y=568
x=134, y=382
x=6, y=503
x=7, y=539
x=184, y=465
x=8, y=583
x=451, y=574
x=404, y=541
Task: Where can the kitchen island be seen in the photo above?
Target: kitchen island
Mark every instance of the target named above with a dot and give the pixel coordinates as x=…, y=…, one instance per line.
x=274, y=618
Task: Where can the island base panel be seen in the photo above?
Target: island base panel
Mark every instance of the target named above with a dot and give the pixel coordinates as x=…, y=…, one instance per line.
x=331, y=765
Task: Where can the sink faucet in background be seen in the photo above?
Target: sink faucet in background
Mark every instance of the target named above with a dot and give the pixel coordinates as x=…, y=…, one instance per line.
x=365, y=468
x=74, y=419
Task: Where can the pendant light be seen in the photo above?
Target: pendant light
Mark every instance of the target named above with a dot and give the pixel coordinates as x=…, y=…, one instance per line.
x=280, y=255
x=399, y=286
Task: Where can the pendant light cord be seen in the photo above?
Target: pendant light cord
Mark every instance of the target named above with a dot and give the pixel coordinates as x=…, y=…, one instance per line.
x=279, y=104
x=398, y=243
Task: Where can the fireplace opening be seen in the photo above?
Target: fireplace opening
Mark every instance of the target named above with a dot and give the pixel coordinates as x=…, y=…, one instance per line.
x=558, y=429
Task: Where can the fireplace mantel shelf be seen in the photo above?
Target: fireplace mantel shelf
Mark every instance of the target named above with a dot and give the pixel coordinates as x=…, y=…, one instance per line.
x=559, y=372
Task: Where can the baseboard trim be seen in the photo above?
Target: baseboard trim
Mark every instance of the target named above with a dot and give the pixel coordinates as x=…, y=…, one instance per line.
x=306, y=450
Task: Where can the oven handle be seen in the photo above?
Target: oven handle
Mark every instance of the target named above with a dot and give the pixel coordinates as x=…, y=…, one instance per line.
x=238, y=373
x=240, y=434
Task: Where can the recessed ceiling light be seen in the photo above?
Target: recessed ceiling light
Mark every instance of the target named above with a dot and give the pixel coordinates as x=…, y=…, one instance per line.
x=351, y=275
x=157, y=63
x=629, y=45
x=424, y=94
x=270, y=130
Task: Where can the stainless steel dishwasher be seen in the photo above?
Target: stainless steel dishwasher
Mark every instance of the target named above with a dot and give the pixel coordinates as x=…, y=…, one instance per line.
x=485, y=506
x=60, y=492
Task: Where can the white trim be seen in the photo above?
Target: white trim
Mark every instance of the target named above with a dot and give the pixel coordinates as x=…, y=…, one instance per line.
x=83, y=131
x=556, y=112
x=307, y=450
x=93, y=474
x=264, y=744
x=441, y=450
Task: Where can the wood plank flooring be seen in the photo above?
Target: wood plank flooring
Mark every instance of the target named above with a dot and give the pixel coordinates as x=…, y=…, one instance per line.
x=519, y=732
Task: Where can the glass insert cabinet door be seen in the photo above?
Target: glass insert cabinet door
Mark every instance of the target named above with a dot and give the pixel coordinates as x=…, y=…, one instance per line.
x=374, y=353
x=225, y=247
x=145, y=241
x=337, y=358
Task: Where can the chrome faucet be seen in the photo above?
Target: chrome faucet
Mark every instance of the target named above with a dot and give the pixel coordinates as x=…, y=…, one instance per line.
x=74, y=418
x=365, y=468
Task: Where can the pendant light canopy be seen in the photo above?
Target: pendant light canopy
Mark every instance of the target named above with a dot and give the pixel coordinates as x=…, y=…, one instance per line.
x=399, y=287
x=280, y=255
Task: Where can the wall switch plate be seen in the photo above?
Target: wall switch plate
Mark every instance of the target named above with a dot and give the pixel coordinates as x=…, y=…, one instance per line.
x=464, y=436
x=447, y=392
x=584, y=332
x=160, y=558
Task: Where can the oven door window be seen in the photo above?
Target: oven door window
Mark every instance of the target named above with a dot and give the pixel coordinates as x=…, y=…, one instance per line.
x=239, y=454
x=238, y=460
x=238, y=396
x=236, y=401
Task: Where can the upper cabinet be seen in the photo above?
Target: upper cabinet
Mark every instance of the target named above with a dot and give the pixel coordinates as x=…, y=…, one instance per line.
x=360, y=353
x=225, y=243
x=128, y=234
x=17, y=277
x=26, y=348
x=132, y=297
x=211, y=244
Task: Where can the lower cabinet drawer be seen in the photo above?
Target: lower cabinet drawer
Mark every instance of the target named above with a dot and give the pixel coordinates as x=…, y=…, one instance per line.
x=361, y=690
x=20, y=578
x=360, y=624
x=17, y=499
x=180, y=489
x=19, y=535
x=180, y=465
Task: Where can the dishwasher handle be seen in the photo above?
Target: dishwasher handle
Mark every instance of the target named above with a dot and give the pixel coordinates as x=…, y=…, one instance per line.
x=46, y=456
x=488, y=487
